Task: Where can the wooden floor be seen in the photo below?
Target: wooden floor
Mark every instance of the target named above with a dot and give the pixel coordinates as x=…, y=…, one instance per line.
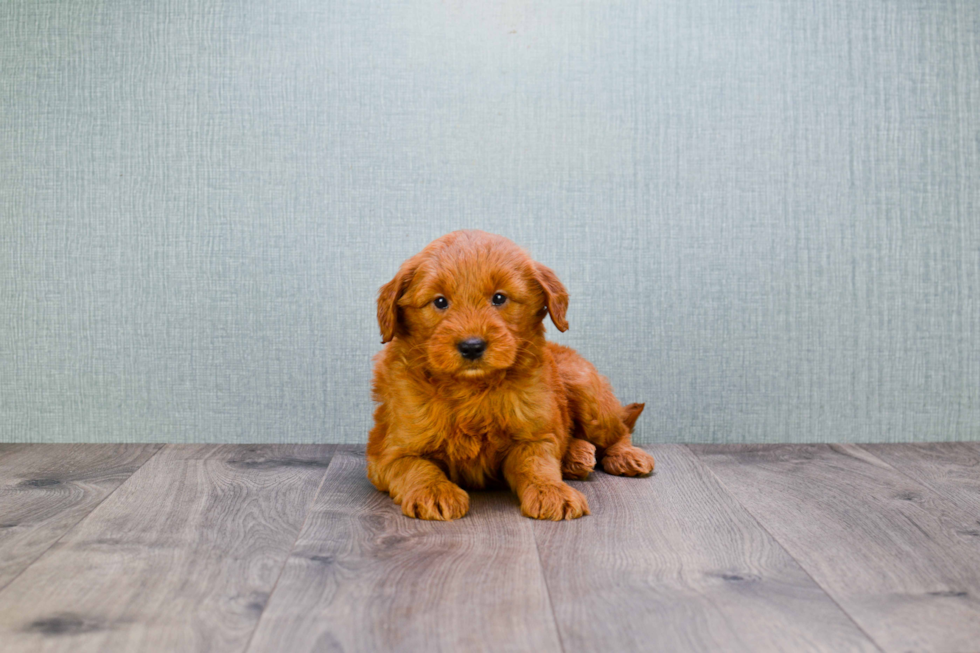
x=289, y=548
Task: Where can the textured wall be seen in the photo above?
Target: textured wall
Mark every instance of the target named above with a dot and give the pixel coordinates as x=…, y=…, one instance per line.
x=767, y=213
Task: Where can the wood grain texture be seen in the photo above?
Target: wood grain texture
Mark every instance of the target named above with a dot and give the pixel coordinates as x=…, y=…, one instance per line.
x=363, y=577
x=671, y=562
x=902, y=560
x=182, y=557
x=45, y=489
x=950, y=468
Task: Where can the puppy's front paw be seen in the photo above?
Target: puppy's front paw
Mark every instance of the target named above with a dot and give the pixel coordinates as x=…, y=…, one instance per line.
x=439, y=502
x=554, y=502
x=629, y=461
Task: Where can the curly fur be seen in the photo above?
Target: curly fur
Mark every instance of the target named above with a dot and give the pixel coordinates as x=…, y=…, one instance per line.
x=527, y=412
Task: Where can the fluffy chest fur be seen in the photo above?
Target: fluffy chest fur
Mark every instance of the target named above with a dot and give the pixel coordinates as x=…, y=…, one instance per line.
x=468, y=428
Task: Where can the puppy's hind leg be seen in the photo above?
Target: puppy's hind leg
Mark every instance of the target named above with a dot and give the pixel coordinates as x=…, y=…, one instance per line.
x=604, y=422
x=622, y=458
x=579, y=459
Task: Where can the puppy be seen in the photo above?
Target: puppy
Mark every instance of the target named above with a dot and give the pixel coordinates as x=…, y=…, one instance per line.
x=470, y=394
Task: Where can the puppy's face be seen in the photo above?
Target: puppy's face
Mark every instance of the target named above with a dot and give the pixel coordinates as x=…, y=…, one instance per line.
x=468, y=301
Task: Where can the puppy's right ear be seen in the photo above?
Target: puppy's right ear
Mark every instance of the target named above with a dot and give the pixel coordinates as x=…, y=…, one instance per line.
x=388, y=298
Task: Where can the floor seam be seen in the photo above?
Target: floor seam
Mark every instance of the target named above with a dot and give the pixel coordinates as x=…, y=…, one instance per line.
x=282, y=569
x=939, y=493
x=775, y=539
x=83, y=518
x=547, y=590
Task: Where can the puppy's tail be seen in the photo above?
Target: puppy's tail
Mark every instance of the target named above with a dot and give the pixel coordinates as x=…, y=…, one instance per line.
x=630, y=413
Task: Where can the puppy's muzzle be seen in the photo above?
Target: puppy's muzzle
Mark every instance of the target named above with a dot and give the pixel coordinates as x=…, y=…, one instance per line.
x=471, y=348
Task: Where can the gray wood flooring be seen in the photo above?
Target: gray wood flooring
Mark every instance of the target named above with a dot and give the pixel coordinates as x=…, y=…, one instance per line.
x=289, y=548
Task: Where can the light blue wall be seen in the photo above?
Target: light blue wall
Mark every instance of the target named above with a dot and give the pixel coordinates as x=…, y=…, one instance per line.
x=767, y=213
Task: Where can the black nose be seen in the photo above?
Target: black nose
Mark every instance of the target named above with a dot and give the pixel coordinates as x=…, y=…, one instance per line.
x=472, y=348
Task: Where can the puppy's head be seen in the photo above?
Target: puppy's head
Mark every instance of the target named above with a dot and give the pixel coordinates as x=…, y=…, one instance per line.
x=469, y=301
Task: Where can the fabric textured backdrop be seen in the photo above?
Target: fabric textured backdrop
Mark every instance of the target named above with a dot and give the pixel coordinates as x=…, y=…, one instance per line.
x=767, y=213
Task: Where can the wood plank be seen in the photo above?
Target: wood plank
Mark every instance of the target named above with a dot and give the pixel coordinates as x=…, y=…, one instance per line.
x=45, y=489
x=182, y=557
x=900, y=559
x=672, y=562
x=363, y=577
x=950, y=468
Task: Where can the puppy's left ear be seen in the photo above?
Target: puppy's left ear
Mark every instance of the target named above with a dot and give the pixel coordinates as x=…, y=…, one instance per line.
x=388, y=297
x=555, y=294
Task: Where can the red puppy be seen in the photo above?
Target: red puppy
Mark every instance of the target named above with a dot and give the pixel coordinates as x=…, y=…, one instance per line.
x=468, y=390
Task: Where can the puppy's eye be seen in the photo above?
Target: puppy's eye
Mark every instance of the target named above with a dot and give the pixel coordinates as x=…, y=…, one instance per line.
x=441, y=303
x=498, y=299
